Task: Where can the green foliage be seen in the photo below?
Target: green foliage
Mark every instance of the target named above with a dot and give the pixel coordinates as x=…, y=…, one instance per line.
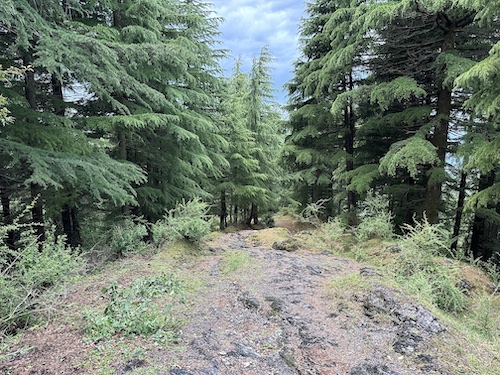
x=313, y=212
x=189, y=220
x=139, y=309
x=128, y=238
x=483, y=318
x=409, y=154
x=420, y=268
x=26, y=273
x=334, y=229
x=375, y=218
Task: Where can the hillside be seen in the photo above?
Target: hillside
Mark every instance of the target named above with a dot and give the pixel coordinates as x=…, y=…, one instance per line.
x=275, y=301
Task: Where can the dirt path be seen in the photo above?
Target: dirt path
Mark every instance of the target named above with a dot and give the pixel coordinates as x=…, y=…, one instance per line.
x=276, y=312
x=280, y=318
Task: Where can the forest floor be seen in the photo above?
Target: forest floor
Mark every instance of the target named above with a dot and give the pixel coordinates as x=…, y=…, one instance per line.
x=274, y=301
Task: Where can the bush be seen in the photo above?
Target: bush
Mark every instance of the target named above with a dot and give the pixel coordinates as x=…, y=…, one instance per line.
x=128, y=238
x=376, y=219
x=420, y=268
x=334, y=229
x=136, y=310
x=189, y=220
x=31, y=272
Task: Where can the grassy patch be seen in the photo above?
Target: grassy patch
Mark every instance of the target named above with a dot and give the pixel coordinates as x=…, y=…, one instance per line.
x=235, y=260
x=267, y=237
x=139, y=309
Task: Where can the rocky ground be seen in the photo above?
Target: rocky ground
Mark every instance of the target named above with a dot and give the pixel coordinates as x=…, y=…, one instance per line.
x=282, y=310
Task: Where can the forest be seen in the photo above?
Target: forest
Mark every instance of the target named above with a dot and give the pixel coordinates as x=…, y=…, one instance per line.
x=116, y=120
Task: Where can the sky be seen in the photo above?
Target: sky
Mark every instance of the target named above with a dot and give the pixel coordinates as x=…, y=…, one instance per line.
x=250, y=25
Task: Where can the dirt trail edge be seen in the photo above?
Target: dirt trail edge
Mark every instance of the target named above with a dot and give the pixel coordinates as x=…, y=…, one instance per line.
x=280, y=316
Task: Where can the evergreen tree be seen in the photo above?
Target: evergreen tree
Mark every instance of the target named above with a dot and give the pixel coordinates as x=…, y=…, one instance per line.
x=252, y=130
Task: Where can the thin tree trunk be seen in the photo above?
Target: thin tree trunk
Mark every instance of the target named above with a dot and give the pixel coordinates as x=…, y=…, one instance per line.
x=254, y=214
x=37, y=215
x=71, y=225
x=485, y=232
x=122, y=152
x=223, y=210
x=349, y=124
x=10, y=239
x=37, y=209
x=460, y=209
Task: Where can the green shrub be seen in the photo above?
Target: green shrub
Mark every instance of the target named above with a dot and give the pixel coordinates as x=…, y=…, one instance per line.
x=189, y=220
x=136, y=310
x=313, y=212
x=421, y=269
x=31, y=272
x=484, y=318
x=128, y=238
x=334, y=229
x=375, y=219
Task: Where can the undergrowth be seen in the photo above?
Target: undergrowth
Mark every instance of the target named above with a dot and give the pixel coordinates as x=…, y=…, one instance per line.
x=189, y=220
x=139, y=309
x=27, y=272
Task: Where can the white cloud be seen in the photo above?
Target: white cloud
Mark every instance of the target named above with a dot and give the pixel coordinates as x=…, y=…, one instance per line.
x=250, y=25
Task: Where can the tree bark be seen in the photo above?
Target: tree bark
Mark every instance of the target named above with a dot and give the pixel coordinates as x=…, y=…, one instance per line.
x=37, y=215
x=440, y=136
x=223, y=210
x=349, y=124
x=71, y=225
x=460, y=209
x=10, y=239
x=485, y=233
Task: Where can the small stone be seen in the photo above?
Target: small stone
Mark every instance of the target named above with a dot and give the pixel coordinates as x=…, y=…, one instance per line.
x=465, y=285
x=407, y=342
x=372, y=370
x=379, y=301
x=277, y=304
x=242, y=350
x=367, y=271
x=249, y=302
x=394, y=248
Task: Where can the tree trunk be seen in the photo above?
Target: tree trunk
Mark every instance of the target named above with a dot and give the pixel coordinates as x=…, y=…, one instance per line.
x=460, y=209
x=10, y=239
x=440, y=136
x=349, y=124
x=71, y=225
x=122, y=154
x=485, y=233
x=254, y=214
x=223, y=210
x=37, y=215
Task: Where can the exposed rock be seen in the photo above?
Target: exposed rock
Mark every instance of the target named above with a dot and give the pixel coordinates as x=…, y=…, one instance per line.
x=372, y=370
x=425, y=358
x=415, y=315
x=179, y=371
x=367, y=271
x=242, y=350
x=465, y=285
x=394, y=248
x=407, y=342
x=277, y=305
x=287, y=245
x=249, y=302
x=316, y=270
x=132, y=364
x=379, y=301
